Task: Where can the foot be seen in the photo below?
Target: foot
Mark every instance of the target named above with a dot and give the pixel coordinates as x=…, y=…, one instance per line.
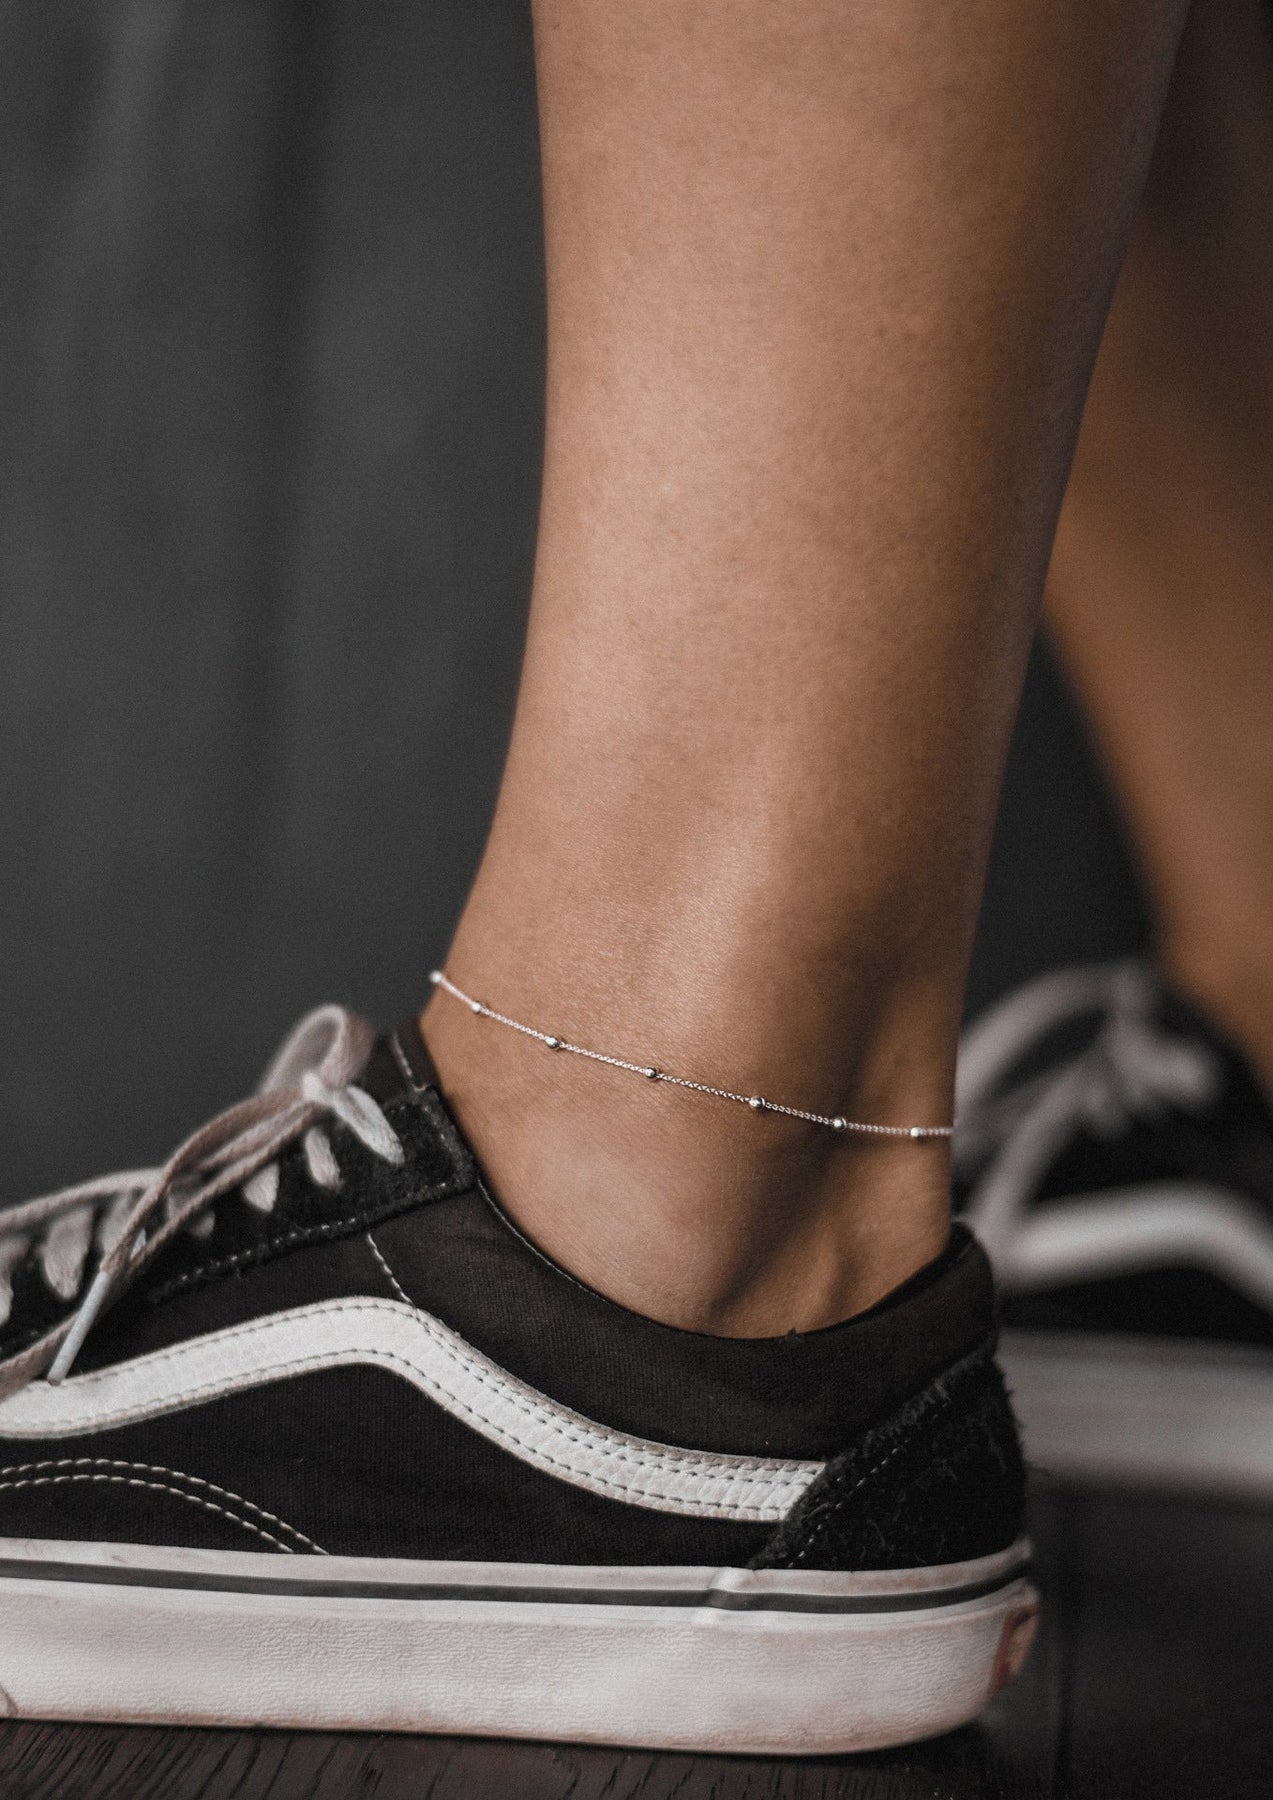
x=1123, y=1185
x=340, y=1449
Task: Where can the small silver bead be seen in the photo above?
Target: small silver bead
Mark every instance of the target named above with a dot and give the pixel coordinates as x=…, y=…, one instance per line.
x=839, y=1124
x=435, y=975
x=476, y=1006
x=756, y=1103
x=552, y=1043
x=917, y=1131
x=651, y=1074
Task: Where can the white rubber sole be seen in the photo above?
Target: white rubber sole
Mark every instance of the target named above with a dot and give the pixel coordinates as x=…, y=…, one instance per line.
x=724, y=1660
x=1144, y=1411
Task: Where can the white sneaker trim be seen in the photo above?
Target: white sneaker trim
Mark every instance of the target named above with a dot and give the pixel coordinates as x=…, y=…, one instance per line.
x=418, y=1348
x=726, y=1660
x=1090, y=1237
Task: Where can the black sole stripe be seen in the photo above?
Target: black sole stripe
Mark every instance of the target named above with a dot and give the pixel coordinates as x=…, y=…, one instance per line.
x=318, y=1588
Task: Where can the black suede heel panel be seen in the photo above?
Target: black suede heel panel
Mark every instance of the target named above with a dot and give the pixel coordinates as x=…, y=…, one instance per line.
x=942, y=1480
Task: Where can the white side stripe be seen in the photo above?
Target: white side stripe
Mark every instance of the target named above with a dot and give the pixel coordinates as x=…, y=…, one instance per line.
x=1093, y=1236
x=434, y=1359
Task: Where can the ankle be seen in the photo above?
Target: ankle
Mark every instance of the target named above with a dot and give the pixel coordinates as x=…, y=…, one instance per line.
x=682, y=1207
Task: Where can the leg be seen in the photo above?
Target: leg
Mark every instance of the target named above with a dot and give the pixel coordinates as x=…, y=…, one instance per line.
x=825, y=284
x=1160, y=593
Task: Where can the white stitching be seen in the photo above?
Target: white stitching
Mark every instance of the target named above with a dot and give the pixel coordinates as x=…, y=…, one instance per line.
x=445, y=1188
x=390, y=1277
x=162, y=1487
x=113, y=1462
x=824, y=1525
x=751, y=1474
x=536, y=1451
x=400, y=1057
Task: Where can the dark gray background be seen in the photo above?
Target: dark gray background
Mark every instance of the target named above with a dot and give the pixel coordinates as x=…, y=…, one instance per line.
x=270, y=370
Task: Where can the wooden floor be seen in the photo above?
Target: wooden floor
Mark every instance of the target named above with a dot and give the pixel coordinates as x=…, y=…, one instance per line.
x=1153, y=1680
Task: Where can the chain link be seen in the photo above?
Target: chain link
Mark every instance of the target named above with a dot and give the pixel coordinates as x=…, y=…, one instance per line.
x=756, y=1102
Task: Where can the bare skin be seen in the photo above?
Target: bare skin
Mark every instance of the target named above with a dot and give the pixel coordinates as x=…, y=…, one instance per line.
x=1161, y=590
x=825, y=285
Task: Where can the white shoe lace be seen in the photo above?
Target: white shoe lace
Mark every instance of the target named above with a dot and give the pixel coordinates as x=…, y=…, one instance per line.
x=1131, y=1068
x=130, y=1216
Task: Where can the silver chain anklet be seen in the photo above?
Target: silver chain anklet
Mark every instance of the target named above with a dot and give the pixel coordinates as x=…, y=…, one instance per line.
x=756, y=1102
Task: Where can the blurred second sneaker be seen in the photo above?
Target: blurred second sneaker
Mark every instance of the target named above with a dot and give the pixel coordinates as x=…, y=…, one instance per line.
x=1115, y=1157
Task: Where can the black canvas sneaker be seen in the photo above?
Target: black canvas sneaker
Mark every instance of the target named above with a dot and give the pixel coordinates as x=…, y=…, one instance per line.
x=1122, y=1182
x=326, y=1443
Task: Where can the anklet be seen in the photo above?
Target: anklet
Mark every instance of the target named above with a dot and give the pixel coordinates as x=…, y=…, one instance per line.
x=756, y=1102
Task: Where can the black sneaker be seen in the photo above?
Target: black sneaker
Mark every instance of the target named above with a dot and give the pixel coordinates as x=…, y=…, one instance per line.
x=1124, y=1190
x=345, y=1451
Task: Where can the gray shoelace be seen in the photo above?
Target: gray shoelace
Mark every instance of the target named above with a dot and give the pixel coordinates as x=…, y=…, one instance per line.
x=130, y=1216
x=1010, y=1133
